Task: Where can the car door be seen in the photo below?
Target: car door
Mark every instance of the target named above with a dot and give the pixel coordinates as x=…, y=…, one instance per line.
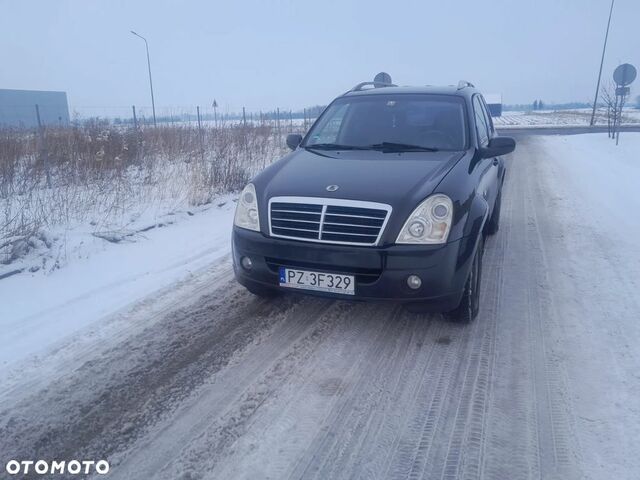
x=489, y=167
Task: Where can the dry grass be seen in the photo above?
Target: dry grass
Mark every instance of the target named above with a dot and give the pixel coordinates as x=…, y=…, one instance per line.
x=101, y=170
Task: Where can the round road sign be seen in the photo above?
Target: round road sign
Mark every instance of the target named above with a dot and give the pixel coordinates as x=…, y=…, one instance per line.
x=624, y=74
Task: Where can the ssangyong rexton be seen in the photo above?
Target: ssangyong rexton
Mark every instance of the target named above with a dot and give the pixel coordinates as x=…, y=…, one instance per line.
x=388, y=197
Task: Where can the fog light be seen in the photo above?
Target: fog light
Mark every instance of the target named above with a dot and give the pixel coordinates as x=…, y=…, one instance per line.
x=414, y=282
x=246, y=263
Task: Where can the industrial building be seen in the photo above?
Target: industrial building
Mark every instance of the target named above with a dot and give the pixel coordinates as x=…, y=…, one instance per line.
x=20, y=108
x=494, y=103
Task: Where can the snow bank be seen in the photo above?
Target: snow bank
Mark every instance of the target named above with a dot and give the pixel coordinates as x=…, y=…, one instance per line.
x=605, y=175
x=82, y=277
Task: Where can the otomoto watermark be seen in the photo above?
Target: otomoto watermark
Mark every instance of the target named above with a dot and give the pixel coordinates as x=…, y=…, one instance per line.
x=54, y=467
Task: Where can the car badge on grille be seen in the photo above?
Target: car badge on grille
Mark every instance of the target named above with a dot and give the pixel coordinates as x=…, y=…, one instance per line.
x=332, y=188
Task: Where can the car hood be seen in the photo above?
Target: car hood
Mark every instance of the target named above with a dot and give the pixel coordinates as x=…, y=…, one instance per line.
x=391, y=178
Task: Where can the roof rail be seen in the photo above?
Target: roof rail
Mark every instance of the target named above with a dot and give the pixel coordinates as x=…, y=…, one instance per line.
x=464, y=84
x=360, y=86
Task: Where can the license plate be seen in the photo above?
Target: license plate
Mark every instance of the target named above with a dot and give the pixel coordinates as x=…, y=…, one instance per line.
x=320, y=281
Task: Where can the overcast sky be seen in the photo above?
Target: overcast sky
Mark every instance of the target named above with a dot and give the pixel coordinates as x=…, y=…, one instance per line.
x=290, y=54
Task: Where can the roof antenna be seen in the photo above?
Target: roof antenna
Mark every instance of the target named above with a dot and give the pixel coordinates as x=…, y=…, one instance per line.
x=382, y=79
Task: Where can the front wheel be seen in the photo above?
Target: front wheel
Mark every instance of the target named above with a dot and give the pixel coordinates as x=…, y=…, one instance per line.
x=469, y=306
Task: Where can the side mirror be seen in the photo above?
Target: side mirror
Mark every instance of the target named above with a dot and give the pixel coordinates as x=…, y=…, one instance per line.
x=293, y=140
x=498, y=146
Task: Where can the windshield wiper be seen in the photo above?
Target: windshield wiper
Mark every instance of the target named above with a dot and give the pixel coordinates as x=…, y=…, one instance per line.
x=400, y=147
x=335, y=146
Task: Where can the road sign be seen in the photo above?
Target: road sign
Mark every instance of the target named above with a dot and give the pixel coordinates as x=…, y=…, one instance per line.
x=624, y=74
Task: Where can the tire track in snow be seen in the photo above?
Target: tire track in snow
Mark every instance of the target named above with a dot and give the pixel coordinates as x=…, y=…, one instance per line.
x=564, y=442
x=511, y=424
x=411, y=448
x=237, y=393
x=110, y=400
x=529, y=413
x=72, y=352
x=379, y=366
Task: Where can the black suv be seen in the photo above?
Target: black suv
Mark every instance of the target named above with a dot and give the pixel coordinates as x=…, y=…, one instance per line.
x=388, y=197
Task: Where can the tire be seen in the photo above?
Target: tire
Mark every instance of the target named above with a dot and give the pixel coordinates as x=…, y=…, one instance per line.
x=494, y=222
x=469, y=305
x=263, y=292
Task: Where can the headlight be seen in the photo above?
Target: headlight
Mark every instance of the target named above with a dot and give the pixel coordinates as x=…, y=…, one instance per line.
x=429, y=223
x=247, y=210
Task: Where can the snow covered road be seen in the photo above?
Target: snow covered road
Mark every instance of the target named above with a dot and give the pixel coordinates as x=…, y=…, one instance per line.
x=202, y=380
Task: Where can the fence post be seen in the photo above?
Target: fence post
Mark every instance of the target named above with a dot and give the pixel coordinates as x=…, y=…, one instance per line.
x=278, y=126
x=244, y=118
x=137, y=132
x=44, y=153
x=200, y=134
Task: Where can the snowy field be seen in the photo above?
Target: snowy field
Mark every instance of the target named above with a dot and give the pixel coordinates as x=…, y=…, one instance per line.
x=147, y=353
x=546, y=118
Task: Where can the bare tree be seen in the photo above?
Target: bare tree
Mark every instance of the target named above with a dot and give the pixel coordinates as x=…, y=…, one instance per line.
x=608, y=96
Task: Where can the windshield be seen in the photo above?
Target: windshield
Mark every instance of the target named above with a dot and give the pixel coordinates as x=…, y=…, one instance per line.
x=421, y=121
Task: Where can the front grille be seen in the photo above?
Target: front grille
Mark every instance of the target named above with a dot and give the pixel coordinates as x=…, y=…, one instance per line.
x=322, y=220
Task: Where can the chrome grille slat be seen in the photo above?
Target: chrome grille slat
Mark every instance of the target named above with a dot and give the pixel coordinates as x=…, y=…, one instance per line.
x=328, y=220
x=353, y=216
x=299, y=206
x=274, y=210
x=297, y=229
x=295, y=225
x=348, y=234
x=297, y=218
x=355, y=212
x=351, y=225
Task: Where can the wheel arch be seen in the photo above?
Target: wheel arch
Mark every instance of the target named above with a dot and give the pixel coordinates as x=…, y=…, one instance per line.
x=473, y=228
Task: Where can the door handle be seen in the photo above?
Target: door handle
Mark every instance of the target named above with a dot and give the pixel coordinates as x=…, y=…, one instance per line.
x=496, y=162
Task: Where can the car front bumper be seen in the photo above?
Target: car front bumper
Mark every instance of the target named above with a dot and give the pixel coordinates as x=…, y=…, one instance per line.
x=381, y=272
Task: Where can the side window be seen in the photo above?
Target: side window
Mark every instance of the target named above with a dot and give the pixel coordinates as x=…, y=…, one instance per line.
x=488, y=118
x=481, y=121
x=330, y=127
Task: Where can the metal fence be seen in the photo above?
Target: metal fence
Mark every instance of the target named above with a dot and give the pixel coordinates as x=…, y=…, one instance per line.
x=206, y=114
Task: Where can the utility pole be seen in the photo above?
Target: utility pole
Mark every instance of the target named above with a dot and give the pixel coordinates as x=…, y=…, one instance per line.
x=153, y=103
x=604, y=48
